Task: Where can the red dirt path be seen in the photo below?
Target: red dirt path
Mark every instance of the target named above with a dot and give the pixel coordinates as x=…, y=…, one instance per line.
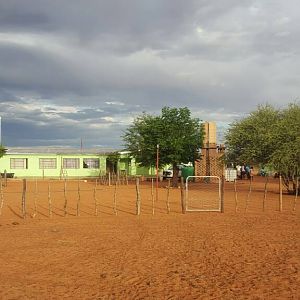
x=235, y=255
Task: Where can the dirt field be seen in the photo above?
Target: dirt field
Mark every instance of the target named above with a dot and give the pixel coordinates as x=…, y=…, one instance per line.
x=243, y=254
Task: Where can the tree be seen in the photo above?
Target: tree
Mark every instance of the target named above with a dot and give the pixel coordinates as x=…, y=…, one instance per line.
x=178, y=135
x=286, y=155
x=267, y=137
x=2, y=150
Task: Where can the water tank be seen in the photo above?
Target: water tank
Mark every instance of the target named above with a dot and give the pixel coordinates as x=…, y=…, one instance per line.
x=187, y=171
x=230, y=174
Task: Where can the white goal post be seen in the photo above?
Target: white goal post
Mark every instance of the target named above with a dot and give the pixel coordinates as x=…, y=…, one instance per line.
x=203, y=193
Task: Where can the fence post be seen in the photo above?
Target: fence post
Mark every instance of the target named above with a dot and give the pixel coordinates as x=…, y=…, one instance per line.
x=49, y=200
x=280, y=193
x=265, y=193
x=24, y=199
x=115, y=198
x=249, y=193
x=1, y=195
x=138, y=197
x=235, y=196
x=78, y=200
x=109, y=179
x=152, y=195
x=5, y=177
x=35, y=198
x=65, y=197
x=96, y=202
x=297, y=191
x=182, y=195
x=168, y=194
x=222, y=193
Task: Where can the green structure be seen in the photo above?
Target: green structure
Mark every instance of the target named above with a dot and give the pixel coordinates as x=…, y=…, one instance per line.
x=62, y=162
x=187, y=171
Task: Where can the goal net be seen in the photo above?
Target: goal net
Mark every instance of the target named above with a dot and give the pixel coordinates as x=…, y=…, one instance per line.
x=203, y=193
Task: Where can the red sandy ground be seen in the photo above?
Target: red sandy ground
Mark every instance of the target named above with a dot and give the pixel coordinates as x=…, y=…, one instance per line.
x=251, y=254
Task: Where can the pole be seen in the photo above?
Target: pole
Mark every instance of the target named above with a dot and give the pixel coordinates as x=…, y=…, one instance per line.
x=182, y=196
x=280, y=193
x=222, y=193
x=157, y=164
x=138, y=197
x=24, y=199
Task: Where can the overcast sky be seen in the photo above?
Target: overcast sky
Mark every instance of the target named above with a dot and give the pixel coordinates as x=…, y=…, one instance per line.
x=86, y=68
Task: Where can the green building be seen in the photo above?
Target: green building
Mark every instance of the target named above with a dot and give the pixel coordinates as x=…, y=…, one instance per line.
x=64, y=162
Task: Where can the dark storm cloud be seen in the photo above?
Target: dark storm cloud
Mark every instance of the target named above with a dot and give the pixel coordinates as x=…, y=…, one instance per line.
x=72, y=69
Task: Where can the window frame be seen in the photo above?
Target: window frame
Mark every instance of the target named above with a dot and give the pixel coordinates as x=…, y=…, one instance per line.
x=15, y=166
x=91, y=163
x=49, y=166
x=66, y=163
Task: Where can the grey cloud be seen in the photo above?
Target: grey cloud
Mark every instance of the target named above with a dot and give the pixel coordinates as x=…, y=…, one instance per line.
x=212, y=56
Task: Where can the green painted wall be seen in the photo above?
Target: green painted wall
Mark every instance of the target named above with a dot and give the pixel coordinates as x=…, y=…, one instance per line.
x=34, y=170
x=126, y=163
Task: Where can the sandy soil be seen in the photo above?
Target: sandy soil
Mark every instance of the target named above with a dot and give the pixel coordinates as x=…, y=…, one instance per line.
x=243, y=254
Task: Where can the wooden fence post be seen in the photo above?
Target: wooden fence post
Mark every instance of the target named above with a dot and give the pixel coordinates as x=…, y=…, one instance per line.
x=24, y=199
x=49, y=201
x=109, y=179
x=115, y=198
x=35, y=198
x=1, y=195
x=182, y=195
x=65, y=197
x=5, y=178
x=235, y=196
x=280, y=193
x=222, y=193
x=78, y=200
x=118, y=177
x=152, y=195
x=138, y=197
x=168, y=194
x=249, y=193
x=297, y=192
x=265, y=193
x=96, y=202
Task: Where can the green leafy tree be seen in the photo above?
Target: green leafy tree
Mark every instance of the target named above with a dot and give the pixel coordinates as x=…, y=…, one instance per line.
x=251, y=140
x=286, y=155
x=2, y=150
x=267, y=137
x=178, y=135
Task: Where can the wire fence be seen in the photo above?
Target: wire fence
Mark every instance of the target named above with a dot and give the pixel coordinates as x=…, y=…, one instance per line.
x=123, y=195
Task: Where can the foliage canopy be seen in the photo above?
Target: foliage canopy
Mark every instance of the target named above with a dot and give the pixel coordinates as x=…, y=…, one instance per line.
x=178, y=135
x=268, y=137
x=2, y=150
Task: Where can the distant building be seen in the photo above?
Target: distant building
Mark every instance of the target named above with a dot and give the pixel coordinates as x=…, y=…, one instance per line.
x=209, y=163
x=53, y=162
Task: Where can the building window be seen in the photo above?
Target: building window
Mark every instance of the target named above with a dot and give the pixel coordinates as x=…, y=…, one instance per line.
x=91, y=163
x=19, y=163
x=71, y=163
x=47, y=163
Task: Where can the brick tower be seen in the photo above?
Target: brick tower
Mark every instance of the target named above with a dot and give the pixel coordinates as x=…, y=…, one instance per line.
x=209, y=163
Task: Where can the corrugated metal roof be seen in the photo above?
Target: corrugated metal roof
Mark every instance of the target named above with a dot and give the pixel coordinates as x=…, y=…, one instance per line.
x=58, y=150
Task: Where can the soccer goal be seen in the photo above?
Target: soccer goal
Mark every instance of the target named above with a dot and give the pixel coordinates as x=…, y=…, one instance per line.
x=203, y=193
